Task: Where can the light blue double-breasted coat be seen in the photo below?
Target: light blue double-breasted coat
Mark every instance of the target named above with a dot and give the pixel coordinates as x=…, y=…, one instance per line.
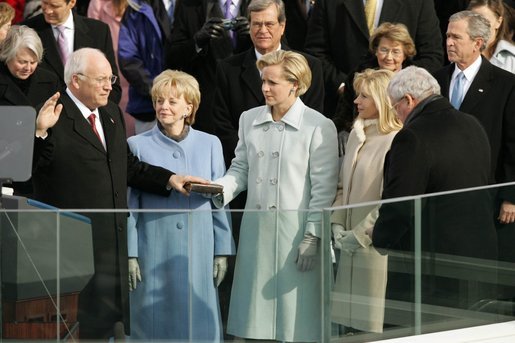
x=177, y=299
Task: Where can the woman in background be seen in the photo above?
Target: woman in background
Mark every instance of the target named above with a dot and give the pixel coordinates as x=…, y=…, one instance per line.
x=359, y=291
x=500, y=49
x=179, y=256
x=392, y=48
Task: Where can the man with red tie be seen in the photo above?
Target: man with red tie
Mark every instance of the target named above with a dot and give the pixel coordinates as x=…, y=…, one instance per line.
x=82, y=161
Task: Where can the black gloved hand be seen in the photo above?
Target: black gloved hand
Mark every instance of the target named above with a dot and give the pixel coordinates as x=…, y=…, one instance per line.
x=212, y=29
x=242, y=26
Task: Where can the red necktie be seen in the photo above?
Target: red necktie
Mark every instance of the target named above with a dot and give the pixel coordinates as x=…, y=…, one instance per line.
x=91, y=119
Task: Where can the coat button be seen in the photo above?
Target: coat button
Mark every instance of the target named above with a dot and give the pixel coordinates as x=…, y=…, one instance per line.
x=176, y=154
x=261, y=154
x=280, y=127
x=180, y=225
x=273, y=181
x=259, y=180
x=258, y=206
x=275, y=154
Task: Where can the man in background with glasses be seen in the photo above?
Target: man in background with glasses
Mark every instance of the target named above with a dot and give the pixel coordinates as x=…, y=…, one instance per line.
x=82, y=161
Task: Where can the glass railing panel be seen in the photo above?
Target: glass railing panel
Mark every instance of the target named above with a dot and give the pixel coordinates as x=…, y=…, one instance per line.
x=434, y=267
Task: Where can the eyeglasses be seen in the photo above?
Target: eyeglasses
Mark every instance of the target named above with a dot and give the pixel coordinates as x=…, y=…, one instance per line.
x=100, y=81
x=256, y=25
x=394, y=52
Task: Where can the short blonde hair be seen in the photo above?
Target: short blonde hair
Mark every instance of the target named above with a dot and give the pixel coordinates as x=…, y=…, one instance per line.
x=295, y=68
x=395, y=32
x=6, y=13
x=374, y=84
x=184, y=84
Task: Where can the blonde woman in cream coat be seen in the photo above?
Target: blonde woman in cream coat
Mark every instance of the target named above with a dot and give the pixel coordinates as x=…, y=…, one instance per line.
x=359, y=290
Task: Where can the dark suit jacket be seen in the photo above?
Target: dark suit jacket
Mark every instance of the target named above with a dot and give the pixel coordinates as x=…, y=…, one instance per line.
x=190, y=16
x=89, y=33
x=296, y=24
x=338, y=35
x=438, y=149
x=43, y=85
x=239, y=89
x=72, y=170
x=491, y=99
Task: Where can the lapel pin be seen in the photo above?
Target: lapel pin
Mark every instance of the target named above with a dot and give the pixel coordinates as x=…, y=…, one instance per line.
x=480, y=90
x=112, y=121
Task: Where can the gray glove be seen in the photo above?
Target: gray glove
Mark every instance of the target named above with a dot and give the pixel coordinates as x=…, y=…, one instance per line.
x=338, y=233
x=345, y=241
x=307, y=253
x=134, y=273
x=212, y=28
x=219, y=269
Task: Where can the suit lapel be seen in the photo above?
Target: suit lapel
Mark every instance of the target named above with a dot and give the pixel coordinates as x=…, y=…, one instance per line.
x=357, y=13
x=51, y=56
x=109, y=126
x=479, y=88
x=250, y=75
x=81, y=35
x=80, y=124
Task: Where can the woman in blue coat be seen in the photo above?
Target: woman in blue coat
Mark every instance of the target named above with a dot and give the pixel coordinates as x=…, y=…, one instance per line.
x=179, y=256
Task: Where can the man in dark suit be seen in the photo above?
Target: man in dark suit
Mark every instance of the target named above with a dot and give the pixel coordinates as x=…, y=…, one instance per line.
x=438, y=149
x=339, y=36
x=79, y=32
x=238, y=80
x=83, y=162
x=199, y=39
x=489, y=95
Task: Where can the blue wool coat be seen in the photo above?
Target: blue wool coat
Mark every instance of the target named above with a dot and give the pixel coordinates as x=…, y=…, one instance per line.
x=175, y=250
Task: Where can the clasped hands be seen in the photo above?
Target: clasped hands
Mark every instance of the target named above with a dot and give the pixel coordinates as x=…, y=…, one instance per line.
x=219, y=271
x=344, y=240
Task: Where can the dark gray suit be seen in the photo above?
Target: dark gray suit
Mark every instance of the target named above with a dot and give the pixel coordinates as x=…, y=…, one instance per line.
x=89, y=33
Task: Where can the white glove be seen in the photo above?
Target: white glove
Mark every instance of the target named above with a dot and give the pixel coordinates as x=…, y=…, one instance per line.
x=219, y=269
x=134, y=273
x=338, y=233
x=307, y=253
x=347, y=242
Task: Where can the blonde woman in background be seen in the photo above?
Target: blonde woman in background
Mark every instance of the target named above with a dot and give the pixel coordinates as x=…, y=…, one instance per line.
x=359, y=290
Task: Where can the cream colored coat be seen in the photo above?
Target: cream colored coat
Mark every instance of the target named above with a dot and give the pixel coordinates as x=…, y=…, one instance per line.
x=288, y=167
x=359, y=290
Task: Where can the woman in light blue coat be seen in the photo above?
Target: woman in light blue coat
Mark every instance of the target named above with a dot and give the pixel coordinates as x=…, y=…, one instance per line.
x=179, y=257
x=287, y=160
